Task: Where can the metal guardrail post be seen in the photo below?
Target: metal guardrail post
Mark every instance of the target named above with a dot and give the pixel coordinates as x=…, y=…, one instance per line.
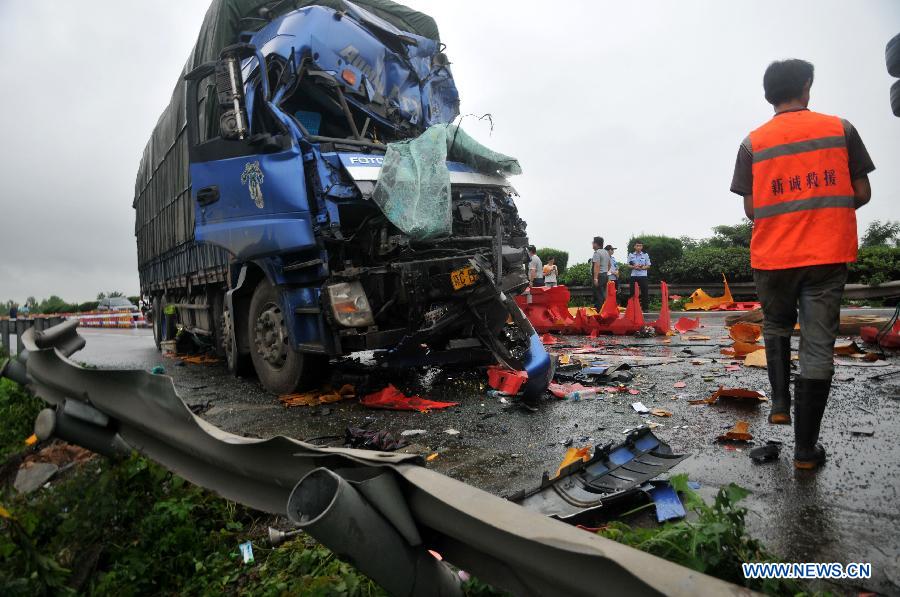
x=4, y=335
x=21, y=326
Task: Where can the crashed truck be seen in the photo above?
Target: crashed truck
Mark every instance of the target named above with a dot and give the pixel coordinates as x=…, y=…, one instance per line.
x=306, y=195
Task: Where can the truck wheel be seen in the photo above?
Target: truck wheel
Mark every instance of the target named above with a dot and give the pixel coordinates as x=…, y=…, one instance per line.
x=895, y=98
x=280, y=368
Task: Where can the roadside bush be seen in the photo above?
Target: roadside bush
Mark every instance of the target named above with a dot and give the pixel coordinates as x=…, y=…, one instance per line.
x=577, y=275
x=875, y=265
x=18, y=410
x=708, y=264
x=545, y=253
x=662, y=250
x=88, y=306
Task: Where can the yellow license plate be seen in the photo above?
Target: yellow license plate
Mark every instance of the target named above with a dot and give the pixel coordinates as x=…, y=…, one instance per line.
x=463, y=277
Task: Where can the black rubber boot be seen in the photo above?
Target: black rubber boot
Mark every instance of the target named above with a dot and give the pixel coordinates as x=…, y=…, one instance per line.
x=810, y=398
x=778, y=363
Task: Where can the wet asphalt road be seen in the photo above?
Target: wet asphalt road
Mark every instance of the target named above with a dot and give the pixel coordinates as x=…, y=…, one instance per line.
x=847, y=512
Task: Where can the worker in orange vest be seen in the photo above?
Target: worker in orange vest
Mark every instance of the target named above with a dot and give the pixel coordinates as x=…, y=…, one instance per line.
x=802, y=175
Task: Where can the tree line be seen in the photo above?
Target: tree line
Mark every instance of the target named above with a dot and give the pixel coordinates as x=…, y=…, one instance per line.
x=55, y=304
x=727, y=251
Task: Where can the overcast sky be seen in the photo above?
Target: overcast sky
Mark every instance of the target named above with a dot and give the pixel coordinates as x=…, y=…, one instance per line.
x=626, y=116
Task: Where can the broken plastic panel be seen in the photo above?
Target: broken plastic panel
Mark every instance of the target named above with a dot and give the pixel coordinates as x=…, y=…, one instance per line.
x=612, y=474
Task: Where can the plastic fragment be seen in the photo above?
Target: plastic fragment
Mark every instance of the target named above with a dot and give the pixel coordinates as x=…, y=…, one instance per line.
x=745, y=332
x=686, y=324
x=573, y=455
x=411, y=432
x=431, y=456
x=668, y=504
x=756, y=359
x=247, y=552
x=724, y=392
x=660, y=412
x=766, y=453
x=679, y=384
x=739, y=433
x=323, y=395
x=158, y=370
x=393, y=399
x=640, y=408
x=31, y=440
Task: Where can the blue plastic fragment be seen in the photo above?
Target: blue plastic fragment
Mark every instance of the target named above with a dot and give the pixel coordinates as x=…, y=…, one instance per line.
x=695, y=485
x=158, y=370
x=668, y=504
x=621, y=455
x=594, y=370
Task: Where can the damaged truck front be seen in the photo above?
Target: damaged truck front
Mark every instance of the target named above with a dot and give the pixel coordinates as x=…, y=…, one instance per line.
x=281, y=213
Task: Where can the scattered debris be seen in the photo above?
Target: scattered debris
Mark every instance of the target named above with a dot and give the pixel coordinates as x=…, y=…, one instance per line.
x=698, y=338
x=412, y=432
x=614, y=473
x=158, y=370
x=679, y=384
x=247, y=552
x=561, y=390
x=668, y=504
x=506, y=380
x=323, y=395
x=848, y=347
x=745, y=332
x=198, y=359
x=739, y=433
x=573, y=455
x=393, y=399
x=549, y=340
x=451, y=431
x=686, y=324
x=367, y=439
x=701, y=300
x=757, y=358
x=866, y=430
x=431, y=456
x=660, y=412
x=723, y=392
x=33, y=476
x=766, y=453
x=639, y=408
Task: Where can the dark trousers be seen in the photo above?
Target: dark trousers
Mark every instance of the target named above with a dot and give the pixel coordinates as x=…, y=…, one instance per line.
x=817, y=291
x=641, y=281
x=600, y=291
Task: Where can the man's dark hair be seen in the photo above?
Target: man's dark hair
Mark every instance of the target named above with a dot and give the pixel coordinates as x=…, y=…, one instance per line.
x=637, y=241
x=598, y=240
x=531, y=249
x=784, y=80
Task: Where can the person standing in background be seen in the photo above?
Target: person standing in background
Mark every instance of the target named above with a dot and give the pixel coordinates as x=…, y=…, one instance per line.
x=551, y=272
x=535, y=268
x=640, y=263
x=613, y=266
x=599, y=272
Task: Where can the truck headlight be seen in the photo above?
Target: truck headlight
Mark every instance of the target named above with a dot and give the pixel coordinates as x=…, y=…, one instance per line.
x=349, y=304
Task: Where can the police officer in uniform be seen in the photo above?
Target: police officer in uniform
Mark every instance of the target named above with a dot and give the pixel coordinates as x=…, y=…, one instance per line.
x=802, y=175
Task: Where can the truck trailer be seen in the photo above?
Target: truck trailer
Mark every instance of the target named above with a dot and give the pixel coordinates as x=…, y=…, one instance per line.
x=267, y=204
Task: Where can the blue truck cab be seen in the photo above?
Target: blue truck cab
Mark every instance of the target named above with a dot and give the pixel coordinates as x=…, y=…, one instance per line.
x=256, y=223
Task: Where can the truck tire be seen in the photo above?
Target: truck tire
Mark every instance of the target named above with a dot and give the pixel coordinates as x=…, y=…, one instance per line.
x=280, y=368
x=895, y=98
x=892, y=57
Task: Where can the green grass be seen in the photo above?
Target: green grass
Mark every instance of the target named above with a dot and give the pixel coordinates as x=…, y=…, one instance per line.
x=715, y=541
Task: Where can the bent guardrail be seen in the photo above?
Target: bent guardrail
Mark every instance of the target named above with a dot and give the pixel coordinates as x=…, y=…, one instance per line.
x=404, y=504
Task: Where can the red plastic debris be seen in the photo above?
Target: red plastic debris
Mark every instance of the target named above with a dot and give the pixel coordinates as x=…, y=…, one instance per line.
x=561, y=389
x=547, y=308
x=393, y=399
x=633, y=319
x=663, y=324
x=889, y=340
x=686, y=324
x=548, y=339
x=506, y=380
x=610, y=310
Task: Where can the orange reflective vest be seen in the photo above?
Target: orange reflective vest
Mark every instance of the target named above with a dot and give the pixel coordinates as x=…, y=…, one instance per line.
x=803, y=201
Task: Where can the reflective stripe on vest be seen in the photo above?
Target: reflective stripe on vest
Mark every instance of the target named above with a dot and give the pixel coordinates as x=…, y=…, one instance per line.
x=803, y=200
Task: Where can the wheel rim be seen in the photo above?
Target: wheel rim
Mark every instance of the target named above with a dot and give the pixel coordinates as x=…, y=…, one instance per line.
x=270, y=338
